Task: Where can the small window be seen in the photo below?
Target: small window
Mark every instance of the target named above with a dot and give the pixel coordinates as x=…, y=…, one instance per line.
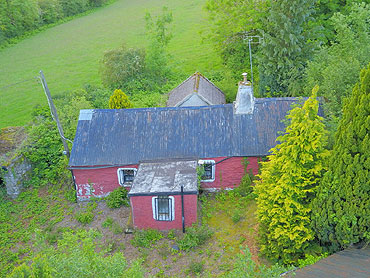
x=126, y=176
x=208, y=174
x=163, y=208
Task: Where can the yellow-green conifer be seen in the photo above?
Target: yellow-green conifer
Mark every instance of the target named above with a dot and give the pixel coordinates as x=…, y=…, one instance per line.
x=288, y=182
x=119, y=100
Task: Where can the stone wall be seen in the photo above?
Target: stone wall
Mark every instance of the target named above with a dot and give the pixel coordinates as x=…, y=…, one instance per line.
x=16, y=173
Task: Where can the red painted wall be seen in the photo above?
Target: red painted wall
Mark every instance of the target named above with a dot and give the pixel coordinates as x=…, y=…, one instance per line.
x=100, y=182
x=229, y=172
x=142, y=213
x=97, y=182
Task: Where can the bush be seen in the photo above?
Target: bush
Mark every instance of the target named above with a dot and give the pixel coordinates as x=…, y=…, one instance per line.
x=84, y=217
x=195, y=236
x=107, y=223
x=70, y=195
x=245, y=267
x=117, y=198
x=196, y=267
x=245, y=188
x=73, y=7
x=146, y=238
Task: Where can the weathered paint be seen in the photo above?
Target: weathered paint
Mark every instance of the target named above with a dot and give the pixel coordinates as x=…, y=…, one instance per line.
x=142, y=213
x=229, y=172
x=96, y=182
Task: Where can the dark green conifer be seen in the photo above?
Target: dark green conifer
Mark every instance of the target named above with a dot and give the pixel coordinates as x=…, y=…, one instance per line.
x=342, y=206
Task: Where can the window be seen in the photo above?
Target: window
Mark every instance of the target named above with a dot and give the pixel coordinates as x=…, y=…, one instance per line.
x=208, y=170
x=126, y=176
x=163, y=208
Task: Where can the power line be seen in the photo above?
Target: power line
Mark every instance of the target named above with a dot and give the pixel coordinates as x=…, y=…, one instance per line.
x=20, y=82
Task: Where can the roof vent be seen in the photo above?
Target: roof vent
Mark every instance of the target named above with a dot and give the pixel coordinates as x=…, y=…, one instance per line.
x=244, y=103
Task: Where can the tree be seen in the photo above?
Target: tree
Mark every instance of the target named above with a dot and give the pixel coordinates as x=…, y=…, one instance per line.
x=342, y=207
x=286, y=48
x=119, y=100
x=288, y=182
x=157, y=58
x=335, y=68
x=230, y=22
x=124, y=68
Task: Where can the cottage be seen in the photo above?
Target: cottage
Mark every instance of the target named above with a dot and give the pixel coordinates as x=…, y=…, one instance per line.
x=197, y=90
x=144, y=151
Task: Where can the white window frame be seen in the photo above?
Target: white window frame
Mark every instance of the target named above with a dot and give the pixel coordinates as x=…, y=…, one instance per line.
x=119, y=176
x=172, y=208
x=202, y=162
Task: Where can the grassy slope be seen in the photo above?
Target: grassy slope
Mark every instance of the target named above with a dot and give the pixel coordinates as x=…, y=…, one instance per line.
x=69, y=54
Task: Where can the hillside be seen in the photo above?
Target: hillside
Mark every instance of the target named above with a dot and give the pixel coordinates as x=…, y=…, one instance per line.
x=69, y=54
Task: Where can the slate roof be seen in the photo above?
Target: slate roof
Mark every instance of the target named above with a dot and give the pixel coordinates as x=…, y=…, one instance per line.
x=199, y=85
x=165, y=177
x=128, y=136
x=344, y=264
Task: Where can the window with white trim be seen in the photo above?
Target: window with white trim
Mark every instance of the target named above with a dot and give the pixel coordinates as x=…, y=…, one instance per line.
x=163, y=208
x=208, y=173
x=126, y=176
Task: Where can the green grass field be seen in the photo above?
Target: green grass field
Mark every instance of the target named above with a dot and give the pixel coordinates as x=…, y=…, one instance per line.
x=69, y=53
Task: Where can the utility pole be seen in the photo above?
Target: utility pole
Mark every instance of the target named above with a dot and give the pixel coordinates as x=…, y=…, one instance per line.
x=54, y=113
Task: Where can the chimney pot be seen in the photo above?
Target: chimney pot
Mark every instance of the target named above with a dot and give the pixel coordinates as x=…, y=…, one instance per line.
x=245, y=77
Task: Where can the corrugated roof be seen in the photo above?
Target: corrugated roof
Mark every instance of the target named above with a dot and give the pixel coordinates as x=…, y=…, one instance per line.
x=199, y=85
x=127, y=136
x=344, y=264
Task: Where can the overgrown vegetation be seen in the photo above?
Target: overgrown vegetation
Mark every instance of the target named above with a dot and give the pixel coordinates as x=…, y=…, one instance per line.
x=117, y=198
x=76, y=255
x=146, y=238
x=194, y=237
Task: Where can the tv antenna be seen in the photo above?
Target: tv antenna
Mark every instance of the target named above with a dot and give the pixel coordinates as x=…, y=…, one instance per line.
x=252, y=40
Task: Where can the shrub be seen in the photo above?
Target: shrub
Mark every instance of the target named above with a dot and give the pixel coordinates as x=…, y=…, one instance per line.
x=245, y=188
x=73, y=7
x=84, y=217
x=195, y=236
x=119, y=100
x=107, y=223
x=196, y=267
x=117, y=198
x=146, y=238
x=70, y=195
x=237, y=215
x=116, y=228
x=245, y=267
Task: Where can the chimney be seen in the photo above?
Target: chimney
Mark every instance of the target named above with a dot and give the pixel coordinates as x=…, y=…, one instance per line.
x=244, y=103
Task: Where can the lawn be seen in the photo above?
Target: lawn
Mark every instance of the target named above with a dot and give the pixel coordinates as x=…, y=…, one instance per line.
x=46, y=212
x=69, y=53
